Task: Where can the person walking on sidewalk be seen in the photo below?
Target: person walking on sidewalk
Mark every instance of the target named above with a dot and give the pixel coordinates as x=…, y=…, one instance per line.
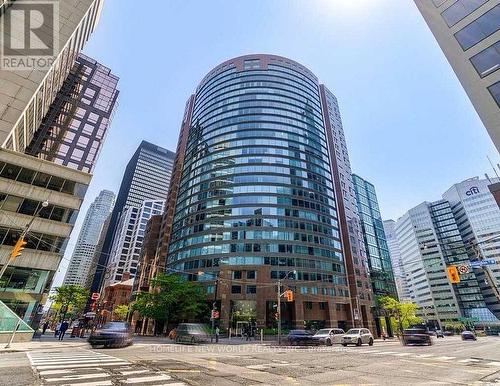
x=56, y=330
x=62, y=330
x=45, y=326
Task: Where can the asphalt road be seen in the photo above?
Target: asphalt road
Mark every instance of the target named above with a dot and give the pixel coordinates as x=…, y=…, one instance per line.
x=448, y=362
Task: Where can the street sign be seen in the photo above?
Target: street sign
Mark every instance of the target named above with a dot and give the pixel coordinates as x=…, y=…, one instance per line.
x=95, y=296
x=356, y=314
x=463, y=269
x=482, y=263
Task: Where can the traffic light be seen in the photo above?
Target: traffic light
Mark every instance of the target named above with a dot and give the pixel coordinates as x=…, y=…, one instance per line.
x=16, y=251
x=453, y=275
x=289, y=295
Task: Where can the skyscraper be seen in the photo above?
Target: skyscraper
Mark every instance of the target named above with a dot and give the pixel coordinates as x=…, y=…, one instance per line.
x=128, y=239
x=31, y=187
x=258, y=195
x=468, y=32
x=81, y=261
x=430, y=242
x=478, y=217
x=146, y=177
x=73, y=131
x=379, y=260
x=396, y=262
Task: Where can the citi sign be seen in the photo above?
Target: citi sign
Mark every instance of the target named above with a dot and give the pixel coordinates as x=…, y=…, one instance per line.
x=473, y=190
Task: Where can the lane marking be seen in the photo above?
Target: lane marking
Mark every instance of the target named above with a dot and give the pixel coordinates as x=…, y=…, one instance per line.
x=148, y=379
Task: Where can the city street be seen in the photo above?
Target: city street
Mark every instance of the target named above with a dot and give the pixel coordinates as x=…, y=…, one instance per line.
x=448, y=361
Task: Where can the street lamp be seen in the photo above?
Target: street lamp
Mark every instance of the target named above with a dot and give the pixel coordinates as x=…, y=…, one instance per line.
x=16, y=251
x=279, y=302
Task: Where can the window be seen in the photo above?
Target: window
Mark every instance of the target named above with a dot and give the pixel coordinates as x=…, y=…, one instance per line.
x=236, y=289
x=479, y=29
x=237, y=274
x=460, y=9
x=251, y=275
x=10, y=171
x=487, y=61
x=323, y=305
x=495, y=92
x=437, y=3
x=308, y=305
x=251, y=289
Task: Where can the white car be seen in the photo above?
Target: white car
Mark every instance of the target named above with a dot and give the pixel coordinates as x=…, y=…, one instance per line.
x=329, y=336
x=357, y=336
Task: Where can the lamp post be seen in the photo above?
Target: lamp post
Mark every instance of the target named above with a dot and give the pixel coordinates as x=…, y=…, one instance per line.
x=279, y=303
x=20, y=241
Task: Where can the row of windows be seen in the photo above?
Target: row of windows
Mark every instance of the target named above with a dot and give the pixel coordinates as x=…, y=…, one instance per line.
x=242, y=189
x=255, y=222
x=36, y=241
x=255, y=247
x=255, y=235
x=459, y=10
x=245, y=160
x=479, y=29
x=252, y=200
x=247, y=211
x=310, y=276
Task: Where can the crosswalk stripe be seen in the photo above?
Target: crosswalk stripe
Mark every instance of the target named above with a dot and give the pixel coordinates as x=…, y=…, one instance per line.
x=493, y=364
x=97, y=383
x=402, y=354
x=148, y=379
x=425, y=355
x=75, y=366
x=445, y=358
x=56, y=372
x=77, y=377
x=468, y=360
x=69, y=360
x=130, y=372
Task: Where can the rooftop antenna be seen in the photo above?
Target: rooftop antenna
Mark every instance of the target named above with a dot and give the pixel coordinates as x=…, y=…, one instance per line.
x=493, y=166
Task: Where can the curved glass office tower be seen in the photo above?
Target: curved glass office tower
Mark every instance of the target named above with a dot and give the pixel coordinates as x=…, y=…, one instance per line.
x=255, y=195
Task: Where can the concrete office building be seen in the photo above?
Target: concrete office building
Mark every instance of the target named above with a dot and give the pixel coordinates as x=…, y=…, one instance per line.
x=80, y=265
x=128, y=239
x=468, y=32
x=396, y=262
x=478, y=217
x=377, y=251
x=26, y=98
x=146, y=177
x=262, y=191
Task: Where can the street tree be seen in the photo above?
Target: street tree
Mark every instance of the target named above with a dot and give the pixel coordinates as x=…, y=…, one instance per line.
x=70, y=299
x=120, y=312
x=172, y=300
x=405, y=313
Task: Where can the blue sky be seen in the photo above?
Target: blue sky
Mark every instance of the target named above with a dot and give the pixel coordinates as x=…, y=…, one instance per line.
x=410, y=128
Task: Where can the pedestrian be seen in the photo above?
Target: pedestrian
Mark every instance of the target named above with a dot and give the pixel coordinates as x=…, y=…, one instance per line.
x=45, y=326
x=56, y=331
x=217, y=331
x=62, y=330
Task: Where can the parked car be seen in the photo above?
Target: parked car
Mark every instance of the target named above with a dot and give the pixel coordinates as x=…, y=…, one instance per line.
x=300, y=337
x=449, y=333
x=416, y=336
x=357, y=336
x=112, y=334
x=439, y=334
x=468, y=335
x=329, y=336
x=191, y=333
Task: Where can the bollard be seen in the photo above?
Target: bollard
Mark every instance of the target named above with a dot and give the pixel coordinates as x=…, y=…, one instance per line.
x=13, y=333
x=261, y=335
x=229, y=333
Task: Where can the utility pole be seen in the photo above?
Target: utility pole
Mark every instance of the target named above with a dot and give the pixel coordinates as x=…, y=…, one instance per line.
x=279, y=312
x=214, y=306
x=19, y=246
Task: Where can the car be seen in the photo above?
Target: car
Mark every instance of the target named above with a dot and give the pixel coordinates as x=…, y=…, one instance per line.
x=300, y=337
x=112, y=334
x=468, y=335
x=439, y=334
x=416, y=336
x=329, y=336
x=448, y=333
x=191, y=333
x=357, y=336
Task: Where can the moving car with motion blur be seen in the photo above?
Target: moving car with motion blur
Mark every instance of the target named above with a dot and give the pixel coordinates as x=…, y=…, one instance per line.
x=468, y=335
x=300, y=337
x=191, y=333
x=112, y=334
x=357, y=336
x=329, y=336
x=416, y=336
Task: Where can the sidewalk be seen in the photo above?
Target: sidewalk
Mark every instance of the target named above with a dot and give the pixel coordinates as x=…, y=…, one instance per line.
x=47, y=341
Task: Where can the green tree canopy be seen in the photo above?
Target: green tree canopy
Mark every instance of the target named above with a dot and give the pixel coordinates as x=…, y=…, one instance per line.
x=120, y=312
x=173, y=299
x=70, y=298
x=403, y=312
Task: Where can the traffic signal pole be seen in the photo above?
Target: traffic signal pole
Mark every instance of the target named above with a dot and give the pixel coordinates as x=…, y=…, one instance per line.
x=19, y=246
